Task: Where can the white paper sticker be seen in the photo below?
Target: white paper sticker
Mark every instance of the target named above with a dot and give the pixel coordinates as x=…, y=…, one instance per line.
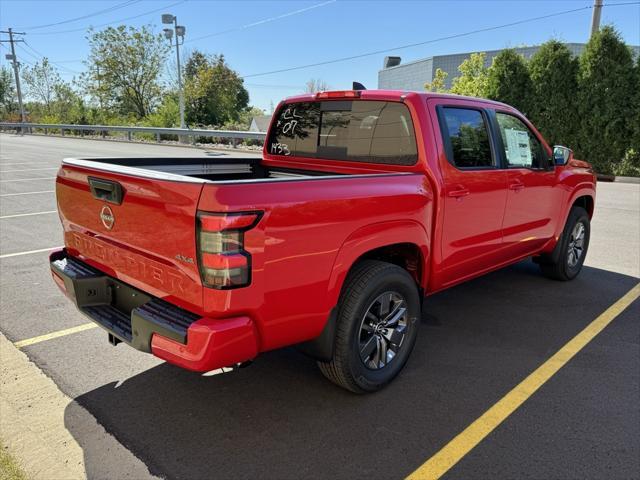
x=518, y=147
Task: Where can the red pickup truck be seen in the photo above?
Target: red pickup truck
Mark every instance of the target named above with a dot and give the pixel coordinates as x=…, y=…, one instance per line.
x=363, y=203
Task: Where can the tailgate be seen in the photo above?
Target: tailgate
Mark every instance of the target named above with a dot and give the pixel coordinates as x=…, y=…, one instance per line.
x=139, y=230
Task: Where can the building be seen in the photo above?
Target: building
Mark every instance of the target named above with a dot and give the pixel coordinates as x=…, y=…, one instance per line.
x=413, y=75
x=260, y=123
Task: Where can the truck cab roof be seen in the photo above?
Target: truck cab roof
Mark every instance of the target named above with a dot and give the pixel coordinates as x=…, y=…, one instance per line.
x=387, y=95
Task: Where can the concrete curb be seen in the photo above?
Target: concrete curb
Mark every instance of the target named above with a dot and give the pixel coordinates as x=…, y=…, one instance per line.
x=613, y=178
x=33, y=413
x=627, y=180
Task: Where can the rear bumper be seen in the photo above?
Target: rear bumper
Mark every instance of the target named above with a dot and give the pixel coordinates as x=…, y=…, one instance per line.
x=152, y=325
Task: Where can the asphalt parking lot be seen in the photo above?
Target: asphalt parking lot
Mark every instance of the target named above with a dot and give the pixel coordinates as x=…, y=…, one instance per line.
x=281, y=419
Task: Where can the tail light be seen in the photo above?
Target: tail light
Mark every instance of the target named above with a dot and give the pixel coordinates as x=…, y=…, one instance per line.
x=223, y=261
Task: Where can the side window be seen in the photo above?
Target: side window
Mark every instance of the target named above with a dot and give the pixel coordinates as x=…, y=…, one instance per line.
x=468, y=138
x=522, y=149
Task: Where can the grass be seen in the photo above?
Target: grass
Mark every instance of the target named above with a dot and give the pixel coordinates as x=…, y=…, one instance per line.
x=9, y=467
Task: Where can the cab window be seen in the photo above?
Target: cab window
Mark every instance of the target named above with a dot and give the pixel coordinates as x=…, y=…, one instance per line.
x=353, y=131
x=522, y=149
x=466, y=138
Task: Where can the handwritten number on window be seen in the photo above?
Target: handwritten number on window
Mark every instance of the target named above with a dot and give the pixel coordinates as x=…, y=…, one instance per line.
x=280, y=149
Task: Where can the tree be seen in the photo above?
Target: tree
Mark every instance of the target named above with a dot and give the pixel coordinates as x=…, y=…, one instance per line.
x=7, y=91
x=635, y=137
x=605, y=81
x=124, y=68
x=315, y=85
x=554, y=71
x=214, y=93
x=438, y=83
x=508, y=80
x=473, y=81
x=41, y=82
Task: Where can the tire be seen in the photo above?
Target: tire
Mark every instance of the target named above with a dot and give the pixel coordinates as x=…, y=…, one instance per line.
x=570, y=257
x=379, y=290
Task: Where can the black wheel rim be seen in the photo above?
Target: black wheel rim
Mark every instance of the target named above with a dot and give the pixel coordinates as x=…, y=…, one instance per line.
x=382, y=330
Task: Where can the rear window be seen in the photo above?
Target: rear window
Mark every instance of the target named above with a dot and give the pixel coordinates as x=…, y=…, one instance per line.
x=356, y=131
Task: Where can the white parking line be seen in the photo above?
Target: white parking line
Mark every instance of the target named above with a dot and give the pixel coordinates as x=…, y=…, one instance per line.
x=25, y=193
x=29, y=252
x=27, y=179
x=28, y=214
x=28, y=170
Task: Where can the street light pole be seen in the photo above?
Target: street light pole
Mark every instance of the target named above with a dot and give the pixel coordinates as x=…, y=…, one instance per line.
x=180, y=90
x=179, y=31
x=595, y=17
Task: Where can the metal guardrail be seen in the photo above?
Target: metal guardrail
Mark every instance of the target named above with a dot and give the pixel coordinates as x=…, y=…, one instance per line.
x=193, y=134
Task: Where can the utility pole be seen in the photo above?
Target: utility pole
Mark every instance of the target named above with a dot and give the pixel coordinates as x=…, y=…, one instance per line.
x=179, y=30
x=595, y=18
x=16, y=66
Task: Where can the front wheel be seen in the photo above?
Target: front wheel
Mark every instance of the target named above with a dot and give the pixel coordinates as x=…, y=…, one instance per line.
x=376, y=327
x=572, y=247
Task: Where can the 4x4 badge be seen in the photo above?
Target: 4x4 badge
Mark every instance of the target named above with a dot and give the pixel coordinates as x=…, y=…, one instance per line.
x=106, y=215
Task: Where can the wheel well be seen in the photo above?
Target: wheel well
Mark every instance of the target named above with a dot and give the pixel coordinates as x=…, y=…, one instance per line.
x=405, y=255
x=585, y=202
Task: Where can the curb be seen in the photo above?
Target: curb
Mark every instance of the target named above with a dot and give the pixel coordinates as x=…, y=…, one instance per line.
x=613, y=179
x=635, y=180
x=32, y=427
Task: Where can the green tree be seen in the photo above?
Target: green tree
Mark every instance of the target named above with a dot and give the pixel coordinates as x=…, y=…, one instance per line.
x=41, y=81
x=214, y=93
x=554, y=72
x=509, y=81
x=438, y=83
x=7, y=91
x=167, y=114
x=124, y=68
x=473, y=78
x=635, y=136
x=606, y=80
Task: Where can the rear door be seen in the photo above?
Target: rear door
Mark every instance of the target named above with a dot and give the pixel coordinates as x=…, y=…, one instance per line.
x=475, y=191
x=533, y=198
x=139, y=230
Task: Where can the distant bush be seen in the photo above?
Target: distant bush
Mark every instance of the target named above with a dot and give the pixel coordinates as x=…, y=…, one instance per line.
x=630, y=164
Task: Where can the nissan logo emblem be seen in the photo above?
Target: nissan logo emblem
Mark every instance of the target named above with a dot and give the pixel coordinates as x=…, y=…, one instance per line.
x=106, y=215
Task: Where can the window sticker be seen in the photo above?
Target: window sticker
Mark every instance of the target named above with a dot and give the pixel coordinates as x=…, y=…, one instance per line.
x=518, y=147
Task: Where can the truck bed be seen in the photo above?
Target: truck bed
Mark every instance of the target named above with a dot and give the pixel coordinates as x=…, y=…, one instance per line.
x=197, y=168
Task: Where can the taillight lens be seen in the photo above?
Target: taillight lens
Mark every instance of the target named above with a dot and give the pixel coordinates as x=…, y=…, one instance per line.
x=224, y=263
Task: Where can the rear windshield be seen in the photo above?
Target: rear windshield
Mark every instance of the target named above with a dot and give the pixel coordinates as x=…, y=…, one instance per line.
x=356, y=131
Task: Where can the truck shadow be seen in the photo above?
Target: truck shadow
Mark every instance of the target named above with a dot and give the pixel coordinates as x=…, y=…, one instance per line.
x=281, y=419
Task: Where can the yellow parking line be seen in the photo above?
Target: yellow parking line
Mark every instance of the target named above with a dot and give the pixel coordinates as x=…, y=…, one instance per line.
x=52, y=335
x=471, y=436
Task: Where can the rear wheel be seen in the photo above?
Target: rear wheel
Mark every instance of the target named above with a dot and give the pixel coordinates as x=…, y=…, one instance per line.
x=572, y=247
x=376, y=327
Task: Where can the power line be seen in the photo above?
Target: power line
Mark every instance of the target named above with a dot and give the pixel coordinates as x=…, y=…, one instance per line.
x=128, y=3
x=261, y=22
x=111, y=23
x=434, y=40
x=40, y=56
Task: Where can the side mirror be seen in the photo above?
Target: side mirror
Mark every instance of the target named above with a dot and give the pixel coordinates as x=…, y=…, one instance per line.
x=561, y=155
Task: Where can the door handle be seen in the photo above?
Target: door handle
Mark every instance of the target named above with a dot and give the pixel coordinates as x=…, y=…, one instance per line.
x=459, y=193
x=517, y=186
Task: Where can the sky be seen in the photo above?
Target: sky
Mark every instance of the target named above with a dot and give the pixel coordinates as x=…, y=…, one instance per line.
x=258, y=37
